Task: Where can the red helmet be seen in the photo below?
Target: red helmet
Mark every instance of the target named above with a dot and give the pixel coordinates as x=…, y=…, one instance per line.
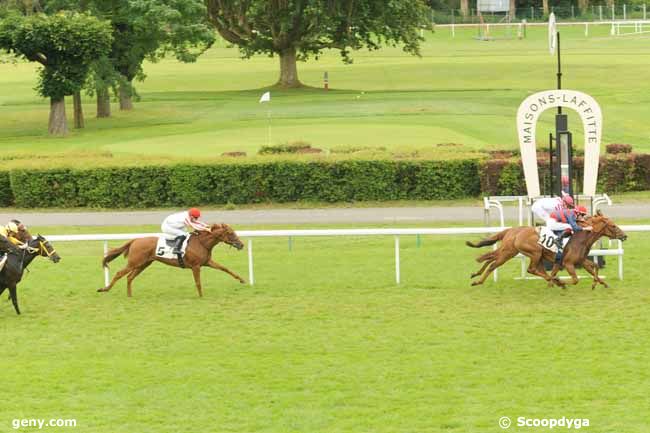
x=581, y=210
x=194, y=212
x=567, y=199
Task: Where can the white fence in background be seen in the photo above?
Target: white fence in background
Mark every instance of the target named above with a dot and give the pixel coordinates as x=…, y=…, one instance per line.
x=396, y=233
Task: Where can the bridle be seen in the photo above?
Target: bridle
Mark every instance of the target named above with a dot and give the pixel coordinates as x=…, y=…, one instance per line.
x=42, y=249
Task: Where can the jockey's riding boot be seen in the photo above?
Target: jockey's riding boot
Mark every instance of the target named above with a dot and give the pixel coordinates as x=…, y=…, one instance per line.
x=178, y=244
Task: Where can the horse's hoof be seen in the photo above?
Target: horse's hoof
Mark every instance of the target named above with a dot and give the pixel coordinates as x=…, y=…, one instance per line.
x=475, y=283
x=101, y=290
x=242, y=281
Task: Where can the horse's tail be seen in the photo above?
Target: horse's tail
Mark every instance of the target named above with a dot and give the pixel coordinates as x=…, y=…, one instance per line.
x=488, y=241
x=115, y=252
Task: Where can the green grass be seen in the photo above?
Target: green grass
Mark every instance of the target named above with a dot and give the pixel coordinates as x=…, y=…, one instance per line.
x=461, y=91
x=324, y=342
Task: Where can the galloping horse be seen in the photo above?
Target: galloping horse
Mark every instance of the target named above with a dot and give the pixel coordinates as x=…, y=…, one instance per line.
x=17, y=262
x=524, y=240
x=581, y=244
x=142, y=252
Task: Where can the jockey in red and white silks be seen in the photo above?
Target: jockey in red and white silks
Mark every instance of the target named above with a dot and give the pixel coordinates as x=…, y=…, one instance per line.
x=174, y=225
x=544, y=207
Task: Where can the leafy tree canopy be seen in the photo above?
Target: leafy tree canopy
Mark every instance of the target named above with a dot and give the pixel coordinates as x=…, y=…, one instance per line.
x=65, y=45
x=298, y=29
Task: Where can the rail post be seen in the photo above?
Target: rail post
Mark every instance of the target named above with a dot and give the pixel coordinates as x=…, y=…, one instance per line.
x=251, y=275
x=397, y=276
x=107, y=275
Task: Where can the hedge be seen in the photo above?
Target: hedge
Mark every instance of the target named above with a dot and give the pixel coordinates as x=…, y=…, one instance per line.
x=277, y=181
x=288, y=181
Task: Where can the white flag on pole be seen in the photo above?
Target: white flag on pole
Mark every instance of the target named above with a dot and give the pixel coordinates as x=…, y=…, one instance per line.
x=265, y=97
x=552, y=33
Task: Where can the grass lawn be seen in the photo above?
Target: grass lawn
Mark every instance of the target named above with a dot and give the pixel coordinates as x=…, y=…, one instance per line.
x=461, y=91
x=324, y=342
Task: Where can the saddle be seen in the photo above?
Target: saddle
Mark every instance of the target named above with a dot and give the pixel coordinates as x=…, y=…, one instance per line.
x=165, y=248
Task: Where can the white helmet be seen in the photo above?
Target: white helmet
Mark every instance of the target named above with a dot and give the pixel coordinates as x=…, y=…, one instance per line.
x=12, y=227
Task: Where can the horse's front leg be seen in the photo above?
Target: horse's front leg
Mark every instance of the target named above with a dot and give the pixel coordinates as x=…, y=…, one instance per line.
x=553, y=277
x=14, y=298
x=592, y=268
x=214, y=265
x=196, y=271
x=571, y=269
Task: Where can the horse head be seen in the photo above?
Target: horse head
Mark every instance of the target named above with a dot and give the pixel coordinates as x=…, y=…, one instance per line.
x=606, y=227
x=43, y=248
x=224, y=233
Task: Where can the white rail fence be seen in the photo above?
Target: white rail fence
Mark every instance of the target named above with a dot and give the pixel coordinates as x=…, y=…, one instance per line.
x=396, y=233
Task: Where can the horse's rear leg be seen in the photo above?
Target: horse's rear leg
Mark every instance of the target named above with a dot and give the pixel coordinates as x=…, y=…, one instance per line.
x=14, y=298
x=134, y=273
x=117, y=276
x=485, y=265
x=592, y=268
x=501, y=258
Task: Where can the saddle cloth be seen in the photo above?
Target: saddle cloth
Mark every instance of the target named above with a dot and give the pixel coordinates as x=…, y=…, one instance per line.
x=547, y=239
x=165, y=247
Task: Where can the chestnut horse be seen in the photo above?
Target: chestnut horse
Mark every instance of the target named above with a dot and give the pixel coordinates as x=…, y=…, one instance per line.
x=142, y=252
x=524, y=240
x=581, y=244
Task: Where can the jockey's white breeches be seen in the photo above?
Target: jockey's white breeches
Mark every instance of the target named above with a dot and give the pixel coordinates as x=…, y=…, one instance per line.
x=555, y=225
x=540, y=212
x=172, y=232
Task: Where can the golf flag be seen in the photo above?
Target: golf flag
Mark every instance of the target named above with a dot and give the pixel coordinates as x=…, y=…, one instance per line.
x=265, y=97
x=552, y=33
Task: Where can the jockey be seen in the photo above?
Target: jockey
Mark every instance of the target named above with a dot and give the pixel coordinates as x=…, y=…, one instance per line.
x=8, y=240
x=174, y=226
x=544, y=207
x=563, y=223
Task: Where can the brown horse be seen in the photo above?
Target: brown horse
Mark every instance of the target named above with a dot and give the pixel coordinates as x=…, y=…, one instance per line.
x=580, y=245
x=513, y=241
x=142, y=252
x=524, y=240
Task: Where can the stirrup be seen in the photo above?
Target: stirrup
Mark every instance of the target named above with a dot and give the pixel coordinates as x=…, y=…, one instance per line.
x=3, y=260
x=181, y=262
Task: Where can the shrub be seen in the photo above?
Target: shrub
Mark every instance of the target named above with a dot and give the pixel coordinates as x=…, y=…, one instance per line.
x=615, y=148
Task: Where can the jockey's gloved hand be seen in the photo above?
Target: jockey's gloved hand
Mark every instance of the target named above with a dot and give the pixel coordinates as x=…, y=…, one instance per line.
x=23, y=246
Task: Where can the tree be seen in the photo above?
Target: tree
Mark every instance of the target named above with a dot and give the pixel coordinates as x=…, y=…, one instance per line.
x=65, y=46
x=142, y=29
x=297, y=29
x=150, y=29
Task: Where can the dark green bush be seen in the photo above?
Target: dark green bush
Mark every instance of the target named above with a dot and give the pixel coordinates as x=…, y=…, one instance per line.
x=288, y=181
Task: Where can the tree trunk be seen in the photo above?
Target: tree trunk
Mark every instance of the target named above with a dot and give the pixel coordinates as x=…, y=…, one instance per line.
x=464, y=8
x=583, y=5
x=58, y=123
x=126, y=97
x=513, y=9
x=545, y=6
x=288, y=69
x=78, y=111
x=103, y=103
